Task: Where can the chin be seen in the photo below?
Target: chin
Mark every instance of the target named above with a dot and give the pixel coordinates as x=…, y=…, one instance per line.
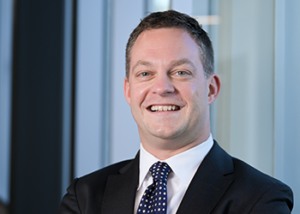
x=165, y=134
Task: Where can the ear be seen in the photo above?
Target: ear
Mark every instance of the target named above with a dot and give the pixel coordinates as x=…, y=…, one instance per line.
x=126, y=90
x=214, y=85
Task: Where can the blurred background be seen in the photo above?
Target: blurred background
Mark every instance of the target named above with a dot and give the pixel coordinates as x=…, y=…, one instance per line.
x=62, y=109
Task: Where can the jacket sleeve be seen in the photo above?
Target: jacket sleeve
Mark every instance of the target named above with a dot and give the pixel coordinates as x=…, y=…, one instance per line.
x=278, y=199
x=69, y=204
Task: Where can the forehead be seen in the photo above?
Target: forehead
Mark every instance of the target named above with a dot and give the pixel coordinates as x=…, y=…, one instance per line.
x=164, y=44
x=162, y=37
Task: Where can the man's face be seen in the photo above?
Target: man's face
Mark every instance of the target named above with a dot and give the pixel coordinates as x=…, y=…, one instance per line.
x=167, y=89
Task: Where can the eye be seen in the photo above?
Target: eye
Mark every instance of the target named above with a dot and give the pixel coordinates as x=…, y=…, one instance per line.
x=181, y=73
x=145, y=74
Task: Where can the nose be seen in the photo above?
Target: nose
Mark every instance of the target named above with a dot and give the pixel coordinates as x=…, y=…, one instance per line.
x=163, y=85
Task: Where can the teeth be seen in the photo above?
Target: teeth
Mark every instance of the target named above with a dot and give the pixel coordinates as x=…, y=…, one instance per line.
x=164, y=108
x=154, y=108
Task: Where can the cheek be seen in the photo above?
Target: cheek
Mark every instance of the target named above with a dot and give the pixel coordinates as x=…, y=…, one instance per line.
x=194, y=88
x=138, y=94
x=141, y=91
x=198, y=95
x=194, y=92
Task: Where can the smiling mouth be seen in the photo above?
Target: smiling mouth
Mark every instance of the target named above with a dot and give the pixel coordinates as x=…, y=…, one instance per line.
x=163, y=108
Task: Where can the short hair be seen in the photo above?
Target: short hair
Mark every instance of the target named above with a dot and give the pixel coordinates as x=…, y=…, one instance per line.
x=174, y=19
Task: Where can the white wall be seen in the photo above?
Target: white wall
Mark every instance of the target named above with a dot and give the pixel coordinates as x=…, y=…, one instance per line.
x=125, y=140
x=246, y=67
x=287, y=99
x=88, y=87
x=258, y=107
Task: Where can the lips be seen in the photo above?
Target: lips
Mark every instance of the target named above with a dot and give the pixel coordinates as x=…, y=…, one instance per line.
x=158, y=108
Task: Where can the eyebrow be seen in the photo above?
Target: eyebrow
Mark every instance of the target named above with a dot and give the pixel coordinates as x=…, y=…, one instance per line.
x=173, y=63
x=141, y=62
x=183, y=61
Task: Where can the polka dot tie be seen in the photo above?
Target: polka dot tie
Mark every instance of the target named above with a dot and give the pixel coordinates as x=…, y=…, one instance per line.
x=154, y=199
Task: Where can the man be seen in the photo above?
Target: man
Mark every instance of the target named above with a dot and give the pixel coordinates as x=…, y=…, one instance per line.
x=169, y=86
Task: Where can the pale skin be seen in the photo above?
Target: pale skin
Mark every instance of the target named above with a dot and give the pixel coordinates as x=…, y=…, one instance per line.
x=166, y=73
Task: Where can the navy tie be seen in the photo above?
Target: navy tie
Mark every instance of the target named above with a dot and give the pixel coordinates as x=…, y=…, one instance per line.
x=155, y=199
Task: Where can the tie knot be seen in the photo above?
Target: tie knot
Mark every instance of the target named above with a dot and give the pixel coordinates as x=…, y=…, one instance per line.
x=160, y=171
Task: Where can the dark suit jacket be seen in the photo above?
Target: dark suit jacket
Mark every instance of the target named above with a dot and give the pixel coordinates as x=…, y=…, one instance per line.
x=222, y=184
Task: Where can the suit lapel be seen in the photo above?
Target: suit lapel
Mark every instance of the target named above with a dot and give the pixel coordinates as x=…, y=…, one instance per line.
x=209, y=184
x=120, y=191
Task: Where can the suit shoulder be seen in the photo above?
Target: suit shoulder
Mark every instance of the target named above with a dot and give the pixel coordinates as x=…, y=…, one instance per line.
x=259, y=191
x=99, y=177
x=253, y=177
x=85, y=193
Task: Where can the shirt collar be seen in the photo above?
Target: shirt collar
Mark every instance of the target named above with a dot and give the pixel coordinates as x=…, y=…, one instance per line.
x=183, y=165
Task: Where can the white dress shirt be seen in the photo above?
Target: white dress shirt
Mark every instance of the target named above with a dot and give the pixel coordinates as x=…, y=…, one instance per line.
x=184, y=167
